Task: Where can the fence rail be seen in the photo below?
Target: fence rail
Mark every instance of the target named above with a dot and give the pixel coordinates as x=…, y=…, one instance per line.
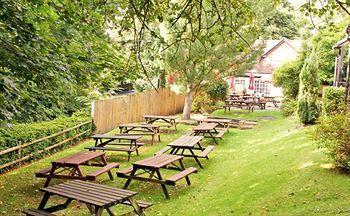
x=109, y=113
x=19, y=148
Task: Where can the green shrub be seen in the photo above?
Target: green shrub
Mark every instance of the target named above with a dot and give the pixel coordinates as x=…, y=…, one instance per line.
x=308, y=91
x=218, y=91
x=333, y=100
x=203, y=103
x=289, y=107
x=333, y=134
x=18, y=134
x=285, y=77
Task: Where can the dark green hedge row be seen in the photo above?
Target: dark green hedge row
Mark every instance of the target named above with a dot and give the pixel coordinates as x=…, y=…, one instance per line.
x=19, y=134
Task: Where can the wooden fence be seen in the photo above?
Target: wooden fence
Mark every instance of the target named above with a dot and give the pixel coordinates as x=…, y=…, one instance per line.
x=109, y=113
x=18, y=149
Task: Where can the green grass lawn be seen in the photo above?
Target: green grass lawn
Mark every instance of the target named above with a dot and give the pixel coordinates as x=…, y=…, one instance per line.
x=273, y=169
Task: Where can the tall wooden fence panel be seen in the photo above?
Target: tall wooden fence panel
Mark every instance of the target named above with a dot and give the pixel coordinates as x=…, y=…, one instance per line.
x=109, y=113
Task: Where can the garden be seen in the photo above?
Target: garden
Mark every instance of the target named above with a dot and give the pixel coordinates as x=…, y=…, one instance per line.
x=174, y=107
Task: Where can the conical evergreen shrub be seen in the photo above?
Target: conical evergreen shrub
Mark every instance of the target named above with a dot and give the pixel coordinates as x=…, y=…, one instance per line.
x=308, y=91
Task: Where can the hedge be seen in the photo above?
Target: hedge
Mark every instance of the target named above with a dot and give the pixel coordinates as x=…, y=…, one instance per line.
x=333, y=100
x=18, y=134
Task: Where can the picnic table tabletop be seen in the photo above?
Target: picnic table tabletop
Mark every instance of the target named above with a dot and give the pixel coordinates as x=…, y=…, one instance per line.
x=139, y=126
x=169, y=120
x=205, y=127
x=97, y=197
x=159, y=117
x=78, y=158
x=114, y=137
x=69, y=167
x=212, y=120
x=157, y=161
x=103, y=140
x=186, y=141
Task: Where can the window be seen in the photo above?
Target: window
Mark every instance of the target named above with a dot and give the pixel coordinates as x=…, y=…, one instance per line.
x=262, y=87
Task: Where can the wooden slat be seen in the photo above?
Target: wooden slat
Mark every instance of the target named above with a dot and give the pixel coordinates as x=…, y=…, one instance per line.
x=158, y=161
x=205, y=126
x=109, y=113
x=180, y=175
x=103, y=170
x=187, y=141
x=36, y=212
x=78, y=158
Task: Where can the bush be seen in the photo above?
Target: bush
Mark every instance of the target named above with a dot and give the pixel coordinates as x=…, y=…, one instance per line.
x=17, y=134
x=285, y=77
x=308, y=91
x=333, y=100
x=218, y=91
x=289, y=107
x=203, y=103
x=333, y=133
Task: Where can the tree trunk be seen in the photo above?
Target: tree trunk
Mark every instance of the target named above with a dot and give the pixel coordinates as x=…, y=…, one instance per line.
x=188, y=103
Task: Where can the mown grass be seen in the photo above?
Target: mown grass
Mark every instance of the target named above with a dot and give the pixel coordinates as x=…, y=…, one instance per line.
x=273, y=169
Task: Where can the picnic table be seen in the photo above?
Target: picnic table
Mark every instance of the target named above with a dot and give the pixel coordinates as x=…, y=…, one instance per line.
x=151, y=168
x=127, y=141
x=170, y=120
x=221, y=122
x=185, y=144
x=95, y=196
x=141, y=129
x=70, y=167
x=249, y=104
x=210, y=129
x=271, y=99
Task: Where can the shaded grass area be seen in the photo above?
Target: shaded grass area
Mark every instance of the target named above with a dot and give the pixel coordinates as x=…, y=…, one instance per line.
x=273, y=169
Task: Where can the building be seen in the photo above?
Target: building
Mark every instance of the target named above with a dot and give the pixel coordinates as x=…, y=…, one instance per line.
x=276, y=53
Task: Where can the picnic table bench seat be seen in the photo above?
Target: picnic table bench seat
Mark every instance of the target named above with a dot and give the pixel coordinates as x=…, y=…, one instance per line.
x=221, y=133
x=36, y=212
x=178, y=176
x=207, y=150
x=110, y=148
x=163, y=150
x=92, y=176
x=124, y=172
x=143, y=205
x=43, y=173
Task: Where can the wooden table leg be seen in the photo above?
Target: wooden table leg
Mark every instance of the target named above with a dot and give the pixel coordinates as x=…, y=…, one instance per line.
x=51, y=174
x=109, y=211
x=44, y=200
x=136, y=207
x=104, y=161
x=98, y=210
x=183, y=167
x=165, y=190
x=212, y=136
x=196, y=158
x=127, y=183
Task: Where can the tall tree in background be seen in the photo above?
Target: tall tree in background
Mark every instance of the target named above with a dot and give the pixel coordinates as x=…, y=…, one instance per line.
x=308, y=90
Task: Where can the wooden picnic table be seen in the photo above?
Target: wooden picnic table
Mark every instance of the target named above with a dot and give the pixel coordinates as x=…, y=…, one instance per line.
x=271, y=99
x=221, y=122
x=188, y=146
x=249, y=104
x=151, y=168
x=127, y=141
x=70, y=167
x=209, y=129
x=170, y=120
x=95, y=196
x=141, y=129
